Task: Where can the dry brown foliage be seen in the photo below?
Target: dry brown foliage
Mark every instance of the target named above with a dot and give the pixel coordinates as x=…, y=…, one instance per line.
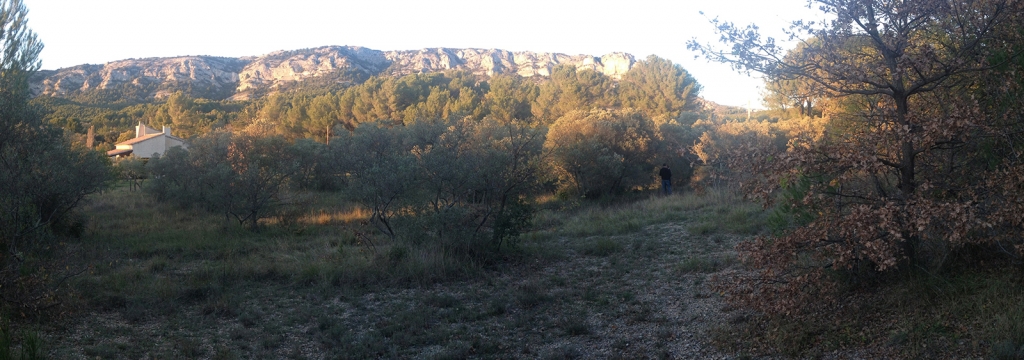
x=919, y=160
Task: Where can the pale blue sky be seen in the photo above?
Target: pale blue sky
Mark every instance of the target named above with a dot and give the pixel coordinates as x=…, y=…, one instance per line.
x=97, y=31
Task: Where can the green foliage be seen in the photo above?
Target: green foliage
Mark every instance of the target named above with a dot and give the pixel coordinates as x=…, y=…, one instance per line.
x=659, y=89
x=240, y=175
x=133, y=170
x=602, y=152
x=193, y=177
x=656, y=86
x=115, y=122
x=570, y=90
x=323, y=107
x=44, y=177
x=790, y=213
x=186, y=115
x=319, y=165
x=512, y=221
x=672, y=148
x=510, y=97
x=383, y=176
x=30, y=347
x=465, y=181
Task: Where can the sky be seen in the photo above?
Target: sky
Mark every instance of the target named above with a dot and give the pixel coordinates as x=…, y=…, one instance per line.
x=98, y=31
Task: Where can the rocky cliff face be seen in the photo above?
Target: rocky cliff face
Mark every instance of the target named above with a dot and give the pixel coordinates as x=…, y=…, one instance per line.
x=157, y=77
x=491, y=62
x=277, y=68
x=219, y=77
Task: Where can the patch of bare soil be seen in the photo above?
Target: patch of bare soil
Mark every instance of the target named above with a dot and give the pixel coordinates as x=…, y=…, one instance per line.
x=642, y=295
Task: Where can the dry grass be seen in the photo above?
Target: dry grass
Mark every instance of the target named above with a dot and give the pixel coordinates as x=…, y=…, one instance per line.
x=193, y=284
x=624, y=280
x=619, y=281
x=337, y=217
x=714, y=212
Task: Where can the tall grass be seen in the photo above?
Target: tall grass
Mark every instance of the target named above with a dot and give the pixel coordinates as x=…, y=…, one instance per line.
x=29, y=348
x=150, y=258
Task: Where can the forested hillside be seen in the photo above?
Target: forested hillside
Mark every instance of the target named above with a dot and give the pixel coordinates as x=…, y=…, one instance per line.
x=310, y=109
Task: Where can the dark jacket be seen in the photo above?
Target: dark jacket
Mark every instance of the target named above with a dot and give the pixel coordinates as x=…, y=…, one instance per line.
x=665, y=173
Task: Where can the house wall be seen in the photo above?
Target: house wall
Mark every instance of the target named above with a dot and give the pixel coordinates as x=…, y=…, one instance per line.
x=145, y=149
x=172, y=142
x=158, y=145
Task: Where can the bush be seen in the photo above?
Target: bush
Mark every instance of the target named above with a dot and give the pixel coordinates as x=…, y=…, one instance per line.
x=241, y=175
x=602, y=152
x=44, y=177
x=459, y=183
x=133, y=170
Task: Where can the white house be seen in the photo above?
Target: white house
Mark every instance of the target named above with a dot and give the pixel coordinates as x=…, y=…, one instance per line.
x=147, y=142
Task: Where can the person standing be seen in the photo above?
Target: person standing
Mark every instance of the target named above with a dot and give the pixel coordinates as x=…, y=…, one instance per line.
x=666, y=179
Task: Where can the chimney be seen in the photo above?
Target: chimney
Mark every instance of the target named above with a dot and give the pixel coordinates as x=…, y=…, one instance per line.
x=140, y=130
x=167, y=130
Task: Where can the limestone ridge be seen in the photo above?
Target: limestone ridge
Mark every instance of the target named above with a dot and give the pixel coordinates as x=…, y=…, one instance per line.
x=156, y=77
x=221, y=77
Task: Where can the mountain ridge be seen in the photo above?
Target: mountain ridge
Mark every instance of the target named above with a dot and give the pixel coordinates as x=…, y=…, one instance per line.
x=217, y=77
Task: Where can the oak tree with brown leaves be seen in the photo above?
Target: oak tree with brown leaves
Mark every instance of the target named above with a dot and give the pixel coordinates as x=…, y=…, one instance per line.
x=921, y=156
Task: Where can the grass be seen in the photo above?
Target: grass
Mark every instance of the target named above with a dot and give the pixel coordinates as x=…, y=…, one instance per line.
x=194, y=284
x=718, y=211
x=601, y=247
x=318, y=248
x=28, y=348
x=191, y=284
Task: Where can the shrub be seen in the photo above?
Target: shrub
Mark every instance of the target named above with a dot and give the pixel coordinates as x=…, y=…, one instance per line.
x=44, y=177
x=239, y=175
x=464, y=182
x=602, y=152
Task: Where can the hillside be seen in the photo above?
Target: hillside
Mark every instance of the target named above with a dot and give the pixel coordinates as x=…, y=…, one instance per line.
x=219, y=78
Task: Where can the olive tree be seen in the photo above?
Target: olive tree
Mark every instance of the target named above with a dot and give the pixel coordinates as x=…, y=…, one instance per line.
x=239, y=175
x=476, y=177
x=381, y=171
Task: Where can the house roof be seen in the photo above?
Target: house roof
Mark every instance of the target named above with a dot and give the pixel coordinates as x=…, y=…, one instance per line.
x=147, y=137
x=117, y=152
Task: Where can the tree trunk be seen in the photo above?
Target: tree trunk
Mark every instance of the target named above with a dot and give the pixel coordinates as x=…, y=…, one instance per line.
x=906, y=155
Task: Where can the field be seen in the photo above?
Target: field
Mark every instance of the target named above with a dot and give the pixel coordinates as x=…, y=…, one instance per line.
x=628, y=280
x=625, y=281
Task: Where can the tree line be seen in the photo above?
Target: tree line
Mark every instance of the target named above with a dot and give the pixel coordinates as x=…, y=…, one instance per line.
x=655, y=86
x=464, y=178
